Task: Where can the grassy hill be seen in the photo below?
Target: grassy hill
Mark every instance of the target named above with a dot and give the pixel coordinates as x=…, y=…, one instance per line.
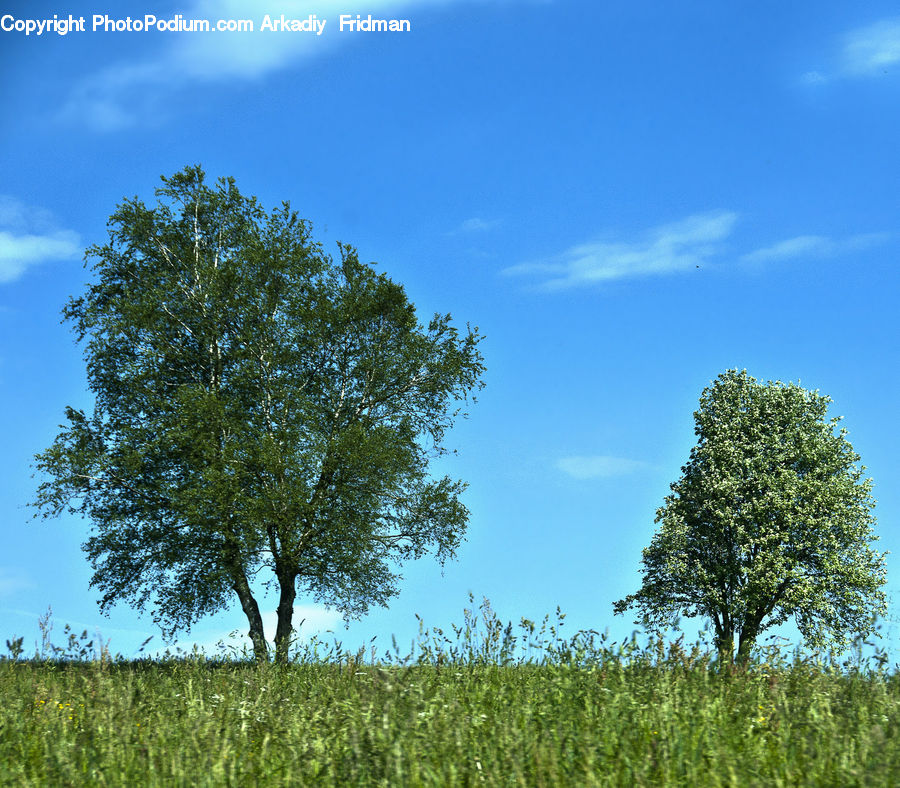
x=485, y=709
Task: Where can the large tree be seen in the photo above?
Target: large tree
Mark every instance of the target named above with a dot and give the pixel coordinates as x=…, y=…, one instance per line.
x=771, y=520
x=258, y=406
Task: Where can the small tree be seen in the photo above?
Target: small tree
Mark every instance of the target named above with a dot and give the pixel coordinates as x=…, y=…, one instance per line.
x=258, y=406
x=771, y=520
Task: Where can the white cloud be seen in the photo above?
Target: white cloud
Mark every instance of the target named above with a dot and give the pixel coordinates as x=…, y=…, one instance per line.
x=792, y=247
x=28, y=237
x=12, y=581
x=121, y=96
x=813, y=78
x=870, y=50
x=475, y=225
x=864, y=52
x=814, y=246
x=16, y=215
x=598, y=467
x=681, y=246
x=663, y=250
x=126, y=94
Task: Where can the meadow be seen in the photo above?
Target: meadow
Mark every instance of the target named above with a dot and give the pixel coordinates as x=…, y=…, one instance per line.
x=482, y=705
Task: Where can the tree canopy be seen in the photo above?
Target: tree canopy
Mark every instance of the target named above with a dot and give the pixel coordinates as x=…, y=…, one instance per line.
x=259, y=405
x=771, y=520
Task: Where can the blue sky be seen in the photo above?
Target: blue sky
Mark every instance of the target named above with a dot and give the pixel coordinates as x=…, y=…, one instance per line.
x=627, y=198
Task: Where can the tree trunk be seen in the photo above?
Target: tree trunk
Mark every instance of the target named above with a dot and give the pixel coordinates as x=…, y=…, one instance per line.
x=288, y=593
x=749, y=633
x=724, y=637
x=251, y=610
x=745, y=645
x=725, y=647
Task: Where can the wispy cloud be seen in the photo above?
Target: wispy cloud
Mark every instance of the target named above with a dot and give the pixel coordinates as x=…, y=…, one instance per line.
x=475, y=224
x=126, y=94
x=598, y=467
x=121, y=96
x=813, y=78
x=871, y=50
x=864, y=52
x=663, y=250
x=12, y=581
x=814, y=246
x=697, y=241
x=28, y=237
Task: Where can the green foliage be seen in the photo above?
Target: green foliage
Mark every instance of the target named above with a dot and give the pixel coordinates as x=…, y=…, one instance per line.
x=579, y=712
x=771, y=520
x=258, y=405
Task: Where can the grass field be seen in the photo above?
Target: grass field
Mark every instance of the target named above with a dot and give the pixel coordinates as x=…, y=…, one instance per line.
x=485, y=707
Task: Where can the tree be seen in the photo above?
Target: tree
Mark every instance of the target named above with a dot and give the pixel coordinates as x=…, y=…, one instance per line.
x=258, y=405
x=771, y=520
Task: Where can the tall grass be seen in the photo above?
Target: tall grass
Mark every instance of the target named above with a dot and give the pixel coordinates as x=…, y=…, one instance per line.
x=488, y=706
